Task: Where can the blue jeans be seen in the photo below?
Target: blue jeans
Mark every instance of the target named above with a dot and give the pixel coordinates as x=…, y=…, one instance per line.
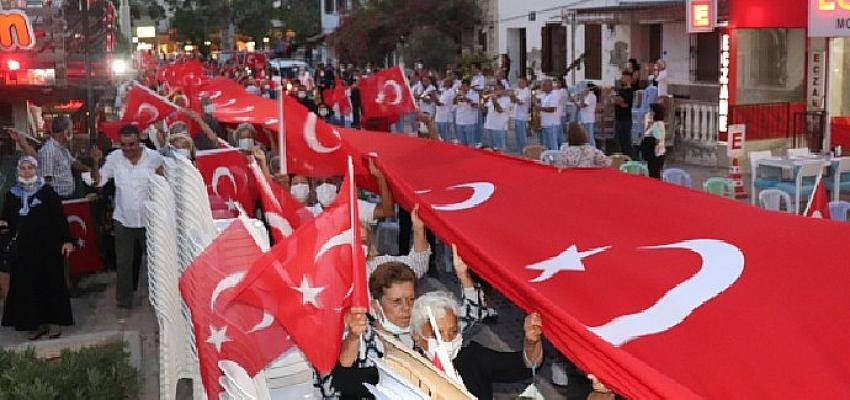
x=549, y=136
x=591, y=139
x=444, y=128
x=521, y=128
x=479, y=128
x=405, y=121
x=466, y=134
x=498, y=139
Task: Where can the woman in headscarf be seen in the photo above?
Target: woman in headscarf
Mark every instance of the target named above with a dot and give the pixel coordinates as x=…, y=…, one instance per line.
x=38, y=295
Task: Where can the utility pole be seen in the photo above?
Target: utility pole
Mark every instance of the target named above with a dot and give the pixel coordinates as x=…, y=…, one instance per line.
x=90, y=106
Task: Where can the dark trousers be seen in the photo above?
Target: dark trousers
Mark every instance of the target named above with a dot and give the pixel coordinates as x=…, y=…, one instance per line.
x=623, y=132
x=655, y=165
x=129, y=249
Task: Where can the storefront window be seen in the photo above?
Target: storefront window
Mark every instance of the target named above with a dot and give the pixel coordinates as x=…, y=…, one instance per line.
x=839, y=82
x=770, y=64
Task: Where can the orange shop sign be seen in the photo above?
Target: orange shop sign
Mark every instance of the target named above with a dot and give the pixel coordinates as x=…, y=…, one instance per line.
x=829, y=18
x=15, y=30
x=702, y=15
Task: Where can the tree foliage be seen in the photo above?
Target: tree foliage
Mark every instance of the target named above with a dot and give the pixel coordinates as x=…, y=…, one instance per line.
x=375, y=30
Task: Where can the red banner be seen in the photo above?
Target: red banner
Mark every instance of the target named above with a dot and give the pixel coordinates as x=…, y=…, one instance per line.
x=85, y=258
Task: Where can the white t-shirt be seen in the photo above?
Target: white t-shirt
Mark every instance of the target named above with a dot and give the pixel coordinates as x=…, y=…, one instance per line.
x=430, y=108
x=588, y=112
x=444, y=112
x=131, y=184
x=523, y=96
x=549, y=100
x=479, y=82
x=662, y=82
x=498, y=121
x=563, y=98
x=465, y=114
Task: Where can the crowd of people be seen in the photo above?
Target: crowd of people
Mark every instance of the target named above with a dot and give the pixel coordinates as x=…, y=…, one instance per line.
x=474, y=111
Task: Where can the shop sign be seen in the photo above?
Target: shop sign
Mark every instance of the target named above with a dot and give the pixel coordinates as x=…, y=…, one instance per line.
x=701, y=15
x=737, y=134
x=816, y=78
x=15, y=31
x=829, y=18
x=723, y=104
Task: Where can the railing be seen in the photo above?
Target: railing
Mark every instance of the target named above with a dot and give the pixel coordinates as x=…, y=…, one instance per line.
x=696, y=131
x=767, y=121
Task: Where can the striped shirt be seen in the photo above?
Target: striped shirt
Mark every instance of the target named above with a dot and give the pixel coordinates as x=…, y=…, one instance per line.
x=54, y=160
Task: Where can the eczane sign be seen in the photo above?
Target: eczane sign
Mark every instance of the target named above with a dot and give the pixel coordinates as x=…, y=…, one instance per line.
x=829, y=18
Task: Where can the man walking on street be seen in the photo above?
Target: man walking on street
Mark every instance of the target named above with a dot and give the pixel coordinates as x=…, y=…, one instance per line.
x=130, y=168
x=623, y=114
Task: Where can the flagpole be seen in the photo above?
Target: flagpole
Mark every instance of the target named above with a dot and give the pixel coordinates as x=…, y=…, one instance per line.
x=812, y=197
x=281, y=143
x=355, y=245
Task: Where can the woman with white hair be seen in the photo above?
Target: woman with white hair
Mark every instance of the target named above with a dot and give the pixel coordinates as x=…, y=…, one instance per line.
x=478, y=367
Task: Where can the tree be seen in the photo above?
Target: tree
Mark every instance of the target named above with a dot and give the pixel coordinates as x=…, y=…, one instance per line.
x=373, y=31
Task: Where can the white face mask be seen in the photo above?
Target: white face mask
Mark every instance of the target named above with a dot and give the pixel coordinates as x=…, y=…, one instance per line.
x=452, y=348
x=302, y=95
x=300, y=191
x=209, y=108
x=27, y=181
x=246, y=143
x=183, y=153
x=326, y=193
x=391, y=327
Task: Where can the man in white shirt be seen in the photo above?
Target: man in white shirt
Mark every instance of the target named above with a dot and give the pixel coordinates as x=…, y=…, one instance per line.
x=479, y=85
x=499, y=109
x=587, y=112
x=131, y=167
x=550, y=121
x=428, y=97
x=521, y=98
x=444, y=107
x=466, y=113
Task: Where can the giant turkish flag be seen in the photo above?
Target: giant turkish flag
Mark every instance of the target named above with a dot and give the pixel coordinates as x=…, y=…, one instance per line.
x=660, y=291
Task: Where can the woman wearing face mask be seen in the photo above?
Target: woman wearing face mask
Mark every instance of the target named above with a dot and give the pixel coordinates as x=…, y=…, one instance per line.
x=478, y=367
x=392, y=286
x=40, y=239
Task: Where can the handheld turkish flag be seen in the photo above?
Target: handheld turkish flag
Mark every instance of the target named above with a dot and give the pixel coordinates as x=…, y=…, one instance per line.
x=819, y=201
x=227, y=176
x=182, y=74
x=386, y=94
x=85, y=257
x=240, y=333
x=310, y=279
x=282, y=212
x=142, y=108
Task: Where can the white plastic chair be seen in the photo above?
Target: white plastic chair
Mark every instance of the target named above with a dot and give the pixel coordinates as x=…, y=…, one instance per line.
x=838, y=210
x=836, y=184
x=757, y=183
x=812, y=170
x=770, y=199
x=677, y=176
x=797, y=152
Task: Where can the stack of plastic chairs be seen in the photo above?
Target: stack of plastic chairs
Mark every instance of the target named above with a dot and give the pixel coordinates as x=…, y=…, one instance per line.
x=756, y=182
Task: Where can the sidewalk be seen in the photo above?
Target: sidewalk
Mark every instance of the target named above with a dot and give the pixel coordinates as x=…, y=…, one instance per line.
x=95, y=317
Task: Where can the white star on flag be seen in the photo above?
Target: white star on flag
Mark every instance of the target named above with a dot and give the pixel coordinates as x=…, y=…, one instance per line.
x=231, y=204
x=569, y=260
x=218, y=337
x=308, y=294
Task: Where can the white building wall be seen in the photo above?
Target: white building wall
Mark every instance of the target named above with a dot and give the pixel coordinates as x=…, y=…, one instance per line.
x=676, y=52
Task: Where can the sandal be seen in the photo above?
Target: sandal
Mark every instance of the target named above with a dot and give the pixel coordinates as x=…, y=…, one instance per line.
x=35, y=335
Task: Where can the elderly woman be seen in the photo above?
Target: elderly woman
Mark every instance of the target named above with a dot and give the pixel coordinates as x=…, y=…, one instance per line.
x=38, y=295
x=477, y=366
x=579, y=153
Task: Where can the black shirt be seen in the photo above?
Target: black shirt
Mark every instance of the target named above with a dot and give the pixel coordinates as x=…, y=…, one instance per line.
x=624, y=113
x=479, y=367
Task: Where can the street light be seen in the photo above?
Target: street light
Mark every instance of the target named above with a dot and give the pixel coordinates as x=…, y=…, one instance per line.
x=119, y=66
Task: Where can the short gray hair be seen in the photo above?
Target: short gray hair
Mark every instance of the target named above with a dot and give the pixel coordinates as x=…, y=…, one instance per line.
x=440, y=302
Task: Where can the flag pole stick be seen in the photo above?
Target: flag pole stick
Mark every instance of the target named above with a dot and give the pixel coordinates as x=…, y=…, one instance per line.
x=812, y=197
x=281, y=135
x=355, y=245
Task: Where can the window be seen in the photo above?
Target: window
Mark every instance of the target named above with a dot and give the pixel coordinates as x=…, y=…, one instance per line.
x=705, y=57
x=592, y=51
x=770, y=65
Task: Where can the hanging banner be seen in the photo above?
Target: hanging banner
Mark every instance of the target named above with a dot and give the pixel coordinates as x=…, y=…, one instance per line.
x=701, y=15
x=816, y=78
x=829, y=18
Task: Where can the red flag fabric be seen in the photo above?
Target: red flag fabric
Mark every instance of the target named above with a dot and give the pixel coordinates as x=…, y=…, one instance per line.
x=234, y=332
x=308, y=281
x=142, y=108
x=85, y=258
x=228, y=180
x=337, y=97
x=182, y=74
x=660, y=291
x=282, y=212
x=819, y=202
x=386, y=93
